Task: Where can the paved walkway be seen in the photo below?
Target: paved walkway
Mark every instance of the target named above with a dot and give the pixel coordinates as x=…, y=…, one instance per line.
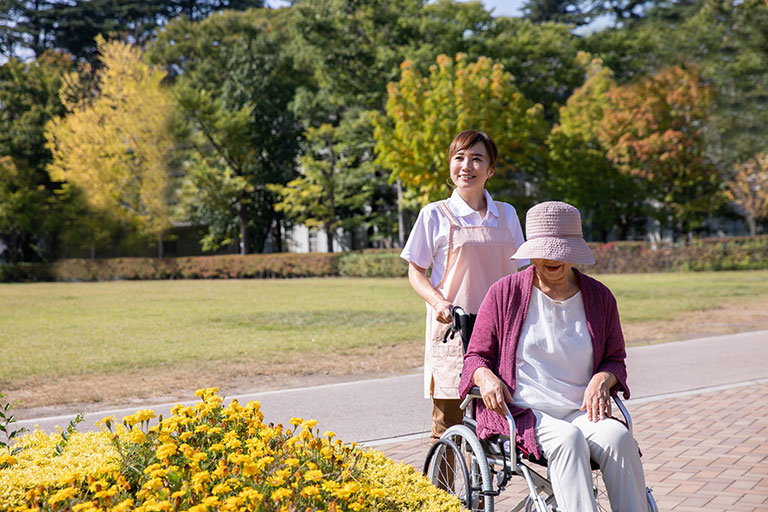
x=702, y=450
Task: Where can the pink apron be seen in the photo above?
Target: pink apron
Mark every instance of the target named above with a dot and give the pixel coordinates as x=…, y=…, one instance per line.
x=478, y=256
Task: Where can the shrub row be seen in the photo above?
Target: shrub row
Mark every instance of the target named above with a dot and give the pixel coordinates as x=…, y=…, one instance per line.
x=746, y=253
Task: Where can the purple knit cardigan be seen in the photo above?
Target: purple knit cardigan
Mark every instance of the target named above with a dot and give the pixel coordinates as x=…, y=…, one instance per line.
x=494, y=346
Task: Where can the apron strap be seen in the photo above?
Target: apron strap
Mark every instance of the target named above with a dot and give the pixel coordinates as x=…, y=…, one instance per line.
x=502, y=214
x=443, y=205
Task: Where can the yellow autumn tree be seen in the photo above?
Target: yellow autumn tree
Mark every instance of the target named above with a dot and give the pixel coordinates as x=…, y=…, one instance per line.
x=748, y=188
x=114, y=141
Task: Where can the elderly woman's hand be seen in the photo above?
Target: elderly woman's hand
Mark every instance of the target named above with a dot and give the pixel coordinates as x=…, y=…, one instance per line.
x=597, y=396
x=495, y=393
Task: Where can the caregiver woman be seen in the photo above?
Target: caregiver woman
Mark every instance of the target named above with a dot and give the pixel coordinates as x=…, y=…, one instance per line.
x=467, y=240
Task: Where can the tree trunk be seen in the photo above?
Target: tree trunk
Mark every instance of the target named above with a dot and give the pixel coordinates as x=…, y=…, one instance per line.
x=244, y=238
x=752, y=224
x=160, y=245
x=329, y=236
x=400, y=214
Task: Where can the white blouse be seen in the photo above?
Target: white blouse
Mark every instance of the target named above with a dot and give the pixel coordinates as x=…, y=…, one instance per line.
x=427, y=244
x=554, y=355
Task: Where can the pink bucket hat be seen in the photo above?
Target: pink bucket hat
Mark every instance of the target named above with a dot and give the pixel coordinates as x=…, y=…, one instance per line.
x=553, y=232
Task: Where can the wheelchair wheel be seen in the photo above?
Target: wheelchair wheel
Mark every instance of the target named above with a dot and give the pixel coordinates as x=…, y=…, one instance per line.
x=457, y=464
x=447, y=469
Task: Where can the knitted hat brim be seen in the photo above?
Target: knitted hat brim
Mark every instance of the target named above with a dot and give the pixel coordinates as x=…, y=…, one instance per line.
x=569, y=250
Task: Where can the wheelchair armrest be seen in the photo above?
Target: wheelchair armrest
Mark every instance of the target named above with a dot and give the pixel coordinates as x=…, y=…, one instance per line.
x=624, y=412
x=474, y=392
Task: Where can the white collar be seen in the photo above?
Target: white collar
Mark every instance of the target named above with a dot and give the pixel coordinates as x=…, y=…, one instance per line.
x=462, y=209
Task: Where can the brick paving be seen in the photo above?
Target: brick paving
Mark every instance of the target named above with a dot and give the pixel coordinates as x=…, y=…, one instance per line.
x=705, y=451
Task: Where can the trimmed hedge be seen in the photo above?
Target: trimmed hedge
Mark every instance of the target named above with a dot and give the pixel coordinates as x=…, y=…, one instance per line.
x=744, y=253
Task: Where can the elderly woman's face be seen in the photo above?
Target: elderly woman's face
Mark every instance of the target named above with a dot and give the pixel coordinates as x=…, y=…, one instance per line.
x=552, y=271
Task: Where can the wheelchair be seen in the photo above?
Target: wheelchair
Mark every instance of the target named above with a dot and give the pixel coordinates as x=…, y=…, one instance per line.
x=477, y=471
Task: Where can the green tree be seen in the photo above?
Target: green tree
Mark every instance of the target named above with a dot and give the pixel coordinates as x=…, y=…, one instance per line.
x=580, y=171
x=424, y=113
x=234, y=85
x=329, y=188
x=29, y=95
x=654, y=130
x=114, y=142
x=41, y=25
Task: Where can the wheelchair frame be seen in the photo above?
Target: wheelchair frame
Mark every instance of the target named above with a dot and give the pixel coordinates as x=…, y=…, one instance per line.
x=463, y=465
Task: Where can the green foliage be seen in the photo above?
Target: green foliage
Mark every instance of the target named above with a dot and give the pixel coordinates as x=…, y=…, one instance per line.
x=6, y=420
x=74, y=26
x=333, y=185
x=580, y=172
x=233, y=93
x=71, y=429
x=32, y=209
x=424, y=113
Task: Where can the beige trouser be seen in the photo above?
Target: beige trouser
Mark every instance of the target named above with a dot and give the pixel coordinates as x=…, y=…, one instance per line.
x=445, y=413
x=570, y=442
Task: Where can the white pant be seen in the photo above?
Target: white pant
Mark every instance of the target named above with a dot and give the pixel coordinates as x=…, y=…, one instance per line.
x=568, y=444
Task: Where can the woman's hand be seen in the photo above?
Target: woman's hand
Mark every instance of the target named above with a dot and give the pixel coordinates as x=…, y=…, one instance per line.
x=495, y=393
x=443, y=310
x=597, y=396
x=417, y=276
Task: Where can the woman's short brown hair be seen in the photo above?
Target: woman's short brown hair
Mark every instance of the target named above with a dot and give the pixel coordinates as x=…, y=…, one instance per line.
x=469, y=138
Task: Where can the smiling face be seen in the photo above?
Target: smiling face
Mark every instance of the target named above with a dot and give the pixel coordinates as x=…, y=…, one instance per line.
x=471, y=168
x=552, y=272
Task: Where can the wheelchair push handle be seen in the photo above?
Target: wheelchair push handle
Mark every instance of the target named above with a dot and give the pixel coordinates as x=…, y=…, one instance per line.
x=462, y=323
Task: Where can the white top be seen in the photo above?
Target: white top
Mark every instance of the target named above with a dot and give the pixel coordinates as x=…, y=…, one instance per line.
x=428, y=242
x=554, y=355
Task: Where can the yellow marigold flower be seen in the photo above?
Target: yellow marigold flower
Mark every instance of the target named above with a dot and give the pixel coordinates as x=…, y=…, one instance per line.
x=252, y=495
x=330, y=485
x=106, y=422
x=7, y=460
x=250, y=469
x=202, y=476
x=313, y=474
x=221, y=489
x=292, y=462
x=280, y=494
x=232, y=504
x=68, y=479
x=296, y=421
x=202, y=428
x=198, y=508
x=309, y=424
x=63, y=494
x=166, y=450
x=310, y=491
x=211, y=501
x=265, y=461
x=84, y=507
x=123, y=506
x=355, y=506
x=153, y=484
x=185, y=436
x=204, y=392
x=137, y=436
x=216, y=447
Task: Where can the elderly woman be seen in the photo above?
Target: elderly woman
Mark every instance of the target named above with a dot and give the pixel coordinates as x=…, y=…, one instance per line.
x=547, y=342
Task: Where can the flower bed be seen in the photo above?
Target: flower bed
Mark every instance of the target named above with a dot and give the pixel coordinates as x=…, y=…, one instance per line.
x=209, y=457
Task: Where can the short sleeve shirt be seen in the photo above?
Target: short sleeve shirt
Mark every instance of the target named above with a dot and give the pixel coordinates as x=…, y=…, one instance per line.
x=427, y=244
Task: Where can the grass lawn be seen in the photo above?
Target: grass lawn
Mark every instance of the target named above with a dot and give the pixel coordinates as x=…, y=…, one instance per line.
x=59, y=329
